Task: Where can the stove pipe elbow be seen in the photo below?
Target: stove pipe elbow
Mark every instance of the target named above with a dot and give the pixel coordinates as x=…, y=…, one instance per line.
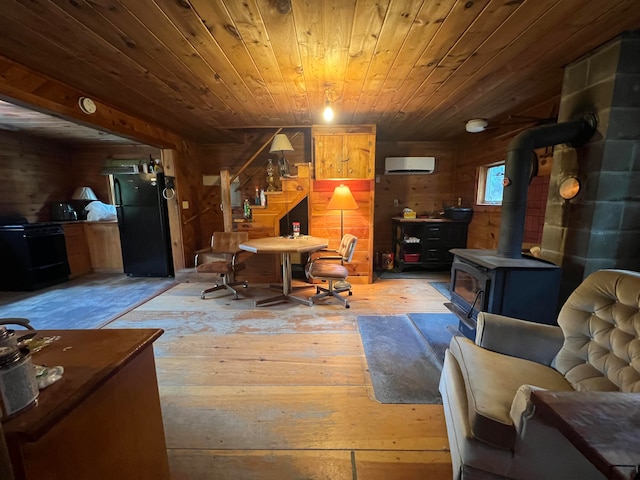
x=519, y=168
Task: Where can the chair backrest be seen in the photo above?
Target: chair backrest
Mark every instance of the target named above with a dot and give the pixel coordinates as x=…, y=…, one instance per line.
x=347, y=247
x=228, y=242
x=601, y=325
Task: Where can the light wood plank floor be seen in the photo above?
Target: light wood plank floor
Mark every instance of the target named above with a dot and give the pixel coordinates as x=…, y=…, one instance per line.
x=283, y=392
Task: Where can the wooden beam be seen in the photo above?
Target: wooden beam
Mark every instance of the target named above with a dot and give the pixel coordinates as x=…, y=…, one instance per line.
x=225, y=196
x=55, y=98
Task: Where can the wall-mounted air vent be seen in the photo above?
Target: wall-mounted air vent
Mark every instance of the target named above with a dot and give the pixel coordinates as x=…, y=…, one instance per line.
x=409, y=165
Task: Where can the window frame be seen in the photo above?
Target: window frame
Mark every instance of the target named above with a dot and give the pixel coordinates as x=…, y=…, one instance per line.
x=481, y=184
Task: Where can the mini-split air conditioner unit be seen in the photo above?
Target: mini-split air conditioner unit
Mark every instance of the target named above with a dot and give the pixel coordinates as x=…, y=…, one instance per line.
x=409, y=165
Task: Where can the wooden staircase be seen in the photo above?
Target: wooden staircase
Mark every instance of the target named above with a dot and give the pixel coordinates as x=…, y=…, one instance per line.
x=265, y=221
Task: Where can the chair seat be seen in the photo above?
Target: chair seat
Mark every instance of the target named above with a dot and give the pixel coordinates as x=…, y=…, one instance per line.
x=328, y=270
x=492, y=380
x=220, y=266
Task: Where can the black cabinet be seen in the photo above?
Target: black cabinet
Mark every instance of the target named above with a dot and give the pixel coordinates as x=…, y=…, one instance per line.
x=425, y=242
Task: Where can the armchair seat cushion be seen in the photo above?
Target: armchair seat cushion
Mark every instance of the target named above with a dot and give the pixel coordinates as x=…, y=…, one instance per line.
x=219, y=266
x=323, y=269
x=491, y=381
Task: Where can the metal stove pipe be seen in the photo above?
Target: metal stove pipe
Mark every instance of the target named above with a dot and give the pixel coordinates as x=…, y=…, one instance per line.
x=519, y=166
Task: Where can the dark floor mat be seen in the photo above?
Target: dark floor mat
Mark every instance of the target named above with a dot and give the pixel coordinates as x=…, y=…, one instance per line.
x=443, y=288
x=403, y=368
x=437, y=329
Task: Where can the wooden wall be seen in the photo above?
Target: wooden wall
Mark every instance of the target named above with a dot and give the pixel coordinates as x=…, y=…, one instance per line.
x=484, y=229
x=325, y=223
x=422, y=193
x=33, y=173
x=87, y=162
x=482, y=149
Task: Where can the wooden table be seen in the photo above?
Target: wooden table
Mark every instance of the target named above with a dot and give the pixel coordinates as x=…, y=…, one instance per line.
x=102, y=419
x=285, y=246
x=603, y=426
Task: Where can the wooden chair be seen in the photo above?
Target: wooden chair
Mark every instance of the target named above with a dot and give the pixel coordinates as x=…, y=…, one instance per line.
x=223, y=258
x=330, y=268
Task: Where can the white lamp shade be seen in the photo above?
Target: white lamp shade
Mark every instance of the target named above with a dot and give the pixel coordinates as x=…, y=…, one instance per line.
x=84, y=193
x=476, y=125
x=281, y=144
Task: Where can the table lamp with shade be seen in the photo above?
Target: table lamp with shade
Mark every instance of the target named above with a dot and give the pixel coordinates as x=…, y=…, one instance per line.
x=82, y=196
x=282, y=144
x=342, y=199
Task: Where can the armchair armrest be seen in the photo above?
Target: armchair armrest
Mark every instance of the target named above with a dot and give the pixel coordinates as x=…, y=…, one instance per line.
x=207, y=255
x=319, y=254
x=522, y=408
x=198, y=254
x=316, y=259
x=519, y=338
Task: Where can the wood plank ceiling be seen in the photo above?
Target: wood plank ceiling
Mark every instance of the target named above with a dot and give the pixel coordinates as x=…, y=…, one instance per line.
x=416, y=68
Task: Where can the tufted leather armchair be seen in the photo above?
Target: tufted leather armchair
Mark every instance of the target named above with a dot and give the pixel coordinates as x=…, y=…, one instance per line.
x=493, y=428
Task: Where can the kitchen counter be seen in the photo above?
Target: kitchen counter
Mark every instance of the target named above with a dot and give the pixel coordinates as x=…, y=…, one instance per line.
x=93, y=246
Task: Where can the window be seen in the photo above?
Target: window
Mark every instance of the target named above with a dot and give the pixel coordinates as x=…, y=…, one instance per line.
x=490, y=184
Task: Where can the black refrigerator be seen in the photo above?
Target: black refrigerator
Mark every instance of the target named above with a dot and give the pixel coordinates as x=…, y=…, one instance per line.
x=143, y=221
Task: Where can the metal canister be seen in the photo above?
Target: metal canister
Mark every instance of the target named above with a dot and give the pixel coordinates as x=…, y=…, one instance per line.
x=7, y=338
x=18, y=385
x=387, y=260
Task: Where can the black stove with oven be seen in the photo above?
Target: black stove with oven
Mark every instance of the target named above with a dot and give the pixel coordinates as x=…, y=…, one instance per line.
x=32, y=255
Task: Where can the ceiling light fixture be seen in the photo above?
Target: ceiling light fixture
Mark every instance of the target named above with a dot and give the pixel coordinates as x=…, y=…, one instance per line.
x=476, y=125
x=327, y=114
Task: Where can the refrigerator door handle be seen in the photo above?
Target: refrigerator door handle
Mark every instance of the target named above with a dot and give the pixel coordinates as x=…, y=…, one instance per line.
x=120, y=218
x=117, y=191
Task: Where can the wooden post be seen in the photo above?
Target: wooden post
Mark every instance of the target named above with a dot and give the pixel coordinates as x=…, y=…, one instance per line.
x=225, y=198
x=175, y=221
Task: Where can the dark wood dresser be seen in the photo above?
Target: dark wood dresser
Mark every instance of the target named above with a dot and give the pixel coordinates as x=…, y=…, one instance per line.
x=102, y=419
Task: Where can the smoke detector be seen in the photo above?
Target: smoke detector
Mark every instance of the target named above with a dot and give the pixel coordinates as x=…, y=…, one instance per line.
x=476, y=125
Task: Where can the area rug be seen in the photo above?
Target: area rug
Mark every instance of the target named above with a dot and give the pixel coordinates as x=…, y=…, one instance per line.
x=437, y=330
x=442, y=288
x=402, y=366
x=89, y=301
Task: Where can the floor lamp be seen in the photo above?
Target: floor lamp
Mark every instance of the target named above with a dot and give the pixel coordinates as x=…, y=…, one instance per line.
x=342, y=200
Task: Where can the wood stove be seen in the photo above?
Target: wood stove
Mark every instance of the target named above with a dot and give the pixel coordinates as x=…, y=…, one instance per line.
x=481, y=280
x=503, y=281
